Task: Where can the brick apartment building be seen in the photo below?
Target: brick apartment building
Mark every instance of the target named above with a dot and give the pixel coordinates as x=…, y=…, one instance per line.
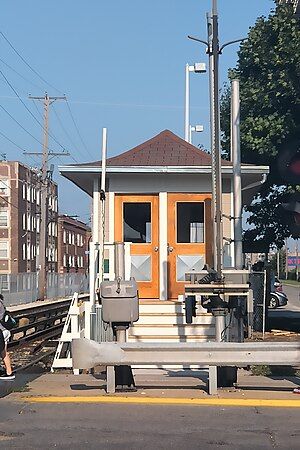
x=73, y=243
x=20, y=219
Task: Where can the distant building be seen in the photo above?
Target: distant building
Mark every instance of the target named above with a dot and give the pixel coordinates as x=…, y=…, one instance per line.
x=20, y=219
x=73, y=243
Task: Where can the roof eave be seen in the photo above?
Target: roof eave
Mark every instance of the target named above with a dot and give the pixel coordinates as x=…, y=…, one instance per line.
x=162, y=169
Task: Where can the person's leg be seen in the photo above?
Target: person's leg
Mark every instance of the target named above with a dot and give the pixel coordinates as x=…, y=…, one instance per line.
x=6, y=360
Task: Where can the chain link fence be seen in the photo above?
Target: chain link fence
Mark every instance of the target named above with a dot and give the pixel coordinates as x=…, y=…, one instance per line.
x=22, y=288
x=258, y=282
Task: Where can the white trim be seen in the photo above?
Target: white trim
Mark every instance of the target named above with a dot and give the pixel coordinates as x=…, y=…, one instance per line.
x=163, y=243
x=232, y=225
x=111, y=216
x=162, y=169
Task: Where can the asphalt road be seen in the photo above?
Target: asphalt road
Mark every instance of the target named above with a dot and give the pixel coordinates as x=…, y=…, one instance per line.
x=90, y=426
x=287, y=317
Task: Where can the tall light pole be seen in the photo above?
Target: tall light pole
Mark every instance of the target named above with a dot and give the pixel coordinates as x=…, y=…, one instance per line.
x=196, y=68
x=214, y=50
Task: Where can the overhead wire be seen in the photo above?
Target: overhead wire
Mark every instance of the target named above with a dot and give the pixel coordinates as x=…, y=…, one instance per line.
x=64, y=129
x=77, y=129
x=20, y=75
x=29, y=111
x=28, y=65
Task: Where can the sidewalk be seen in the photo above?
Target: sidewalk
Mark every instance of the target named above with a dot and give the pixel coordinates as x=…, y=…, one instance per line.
x=157, y=386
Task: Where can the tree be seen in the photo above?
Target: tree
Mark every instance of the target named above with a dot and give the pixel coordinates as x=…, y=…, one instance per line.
x=269, y=72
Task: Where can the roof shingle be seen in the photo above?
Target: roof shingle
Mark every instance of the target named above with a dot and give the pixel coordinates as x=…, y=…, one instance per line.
x=164, y=149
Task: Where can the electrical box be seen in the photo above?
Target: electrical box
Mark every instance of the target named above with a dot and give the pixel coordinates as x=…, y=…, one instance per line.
x=120, y=302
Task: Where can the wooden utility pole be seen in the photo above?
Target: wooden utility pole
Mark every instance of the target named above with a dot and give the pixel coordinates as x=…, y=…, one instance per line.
x=43, y=243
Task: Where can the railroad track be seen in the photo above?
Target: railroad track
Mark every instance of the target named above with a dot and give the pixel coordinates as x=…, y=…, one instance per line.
x=36, y=336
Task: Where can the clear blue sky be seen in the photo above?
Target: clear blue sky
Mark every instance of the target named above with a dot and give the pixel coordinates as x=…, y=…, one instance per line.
x=121, y=64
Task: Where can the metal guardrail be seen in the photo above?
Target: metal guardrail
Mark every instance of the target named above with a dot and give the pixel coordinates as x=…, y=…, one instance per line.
x=88, y=354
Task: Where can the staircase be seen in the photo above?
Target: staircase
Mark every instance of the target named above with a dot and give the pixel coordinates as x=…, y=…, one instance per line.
x=164, y=321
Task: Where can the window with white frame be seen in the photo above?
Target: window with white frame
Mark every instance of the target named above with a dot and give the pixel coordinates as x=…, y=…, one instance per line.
x=3, y=218
x=3, y=249
x=28, y=222
x=28, y=252
x=24, y=251
x=73, y=238
x=4, y=282
x=65, y=237
x=70, y=237
x=24, y=221
x=4, y=187
x=24, y=191
x=65, y=260
x=28, y=193
x=37, y=224
x=37, y=197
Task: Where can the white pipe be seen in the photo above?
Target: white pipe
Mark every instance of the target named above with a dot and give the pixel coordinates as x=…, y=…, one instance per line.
x=236, y=162
x=102, y=205
x=187, y=104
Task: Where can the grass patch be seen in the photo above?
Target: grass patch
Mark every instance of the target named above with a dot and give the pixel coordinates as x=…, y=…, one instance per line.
x=277, y=371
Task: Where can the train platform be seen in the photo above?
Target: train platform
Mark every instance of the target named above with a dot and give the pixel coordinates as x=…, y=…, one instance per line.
x=154, y=386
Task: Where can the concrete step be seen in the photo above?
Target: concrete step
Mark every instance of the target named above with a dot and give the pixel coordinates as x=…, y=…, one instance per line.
x=164, y=338
x=171, y=330
x=167, y=307
x=173, y=319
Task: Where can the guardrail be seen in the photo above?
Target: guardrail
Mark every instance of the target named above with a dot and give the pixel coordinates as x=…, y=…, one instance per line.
x=88, y=354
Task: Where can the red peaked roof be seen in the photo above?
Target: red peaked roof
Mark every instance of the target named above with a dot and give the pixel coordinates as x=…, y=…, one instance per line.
x=165, y=149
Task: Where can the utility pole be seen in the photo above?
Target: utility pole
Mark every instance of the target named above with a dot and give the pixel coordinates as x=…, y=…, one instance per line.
x=213, y=52
x=237, y=180
x=43, y=243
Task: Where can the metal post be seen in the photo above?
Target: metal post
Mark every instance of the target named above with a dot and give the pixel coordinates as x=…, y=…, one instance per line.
x=187, y=104
x=44, y=206
x=213, y=51
x=236, y=162
x=286, y=259
x=278, y=263
x=119, y=260
x=102, y=206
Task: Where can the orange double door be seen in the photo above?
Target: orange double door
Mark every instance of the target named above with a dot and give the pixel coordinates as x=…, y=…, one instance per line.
x=165, y=242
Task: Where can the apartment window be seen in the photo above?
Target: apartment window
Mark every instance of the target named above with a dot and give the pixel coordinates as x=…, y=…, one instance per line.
x=3, y=218
x=24, y=251
x=37, y=197
x=78, y=240
x=28, y=193
x=24, y=191
x=4, y=187
x=3, y=249
x=65, y=260
x=37, y=224
x=73, y=238
x=28, y=222
x=4, y=282
x=55, y=204
x=70, y=237
x=65, y=236
x=28, y=252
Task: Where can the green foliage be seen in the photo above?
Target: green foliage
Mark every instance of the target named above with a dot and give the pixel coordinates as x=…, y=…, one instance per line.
x=269, y=72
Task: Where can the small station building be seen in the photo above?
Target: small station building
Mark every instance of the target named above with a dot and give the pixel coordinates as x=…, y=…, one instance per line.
x=159, y=200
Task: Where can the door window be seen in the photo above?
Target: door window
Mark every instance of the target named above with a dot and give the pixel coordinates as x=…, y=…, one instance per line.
x=190, y=222
x=137, y=222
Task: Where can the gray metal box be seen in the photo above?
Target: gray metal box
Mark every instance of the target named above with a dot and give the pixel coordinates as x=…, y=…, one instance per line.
x=120, y=302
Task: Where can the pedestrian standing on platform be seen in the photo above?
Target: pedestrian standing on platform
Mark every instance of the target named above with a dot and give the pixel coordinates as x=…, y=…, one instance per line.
x=5, y=335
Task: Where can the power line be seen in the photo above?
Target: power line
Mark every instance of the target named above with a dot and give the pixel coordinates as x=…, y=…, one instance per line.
x=20, y=75
x=27, y=109
x=20, y=125
x=76, y=127
x=27, y=64
x=64, y=129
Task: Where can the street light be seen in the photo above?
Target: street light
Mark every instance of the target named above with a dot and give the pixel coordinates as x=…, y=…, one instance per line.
x=196, y=68
x=195, y=129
